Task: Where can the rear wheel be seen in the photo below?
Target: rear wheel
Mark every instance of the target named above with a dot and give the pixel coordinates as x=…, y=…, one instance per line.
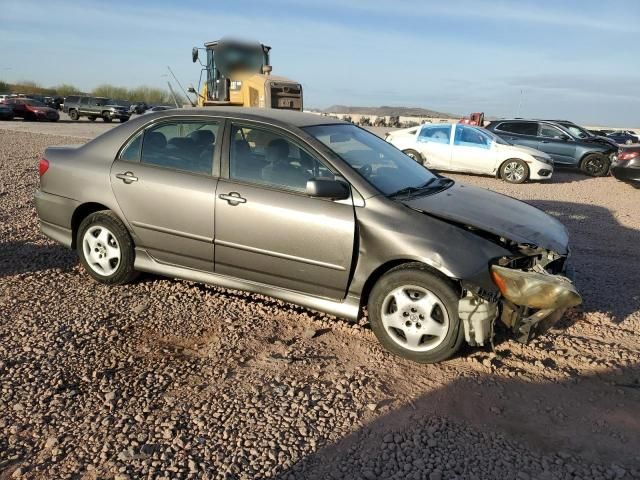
x=106, y=249
x=73, y=115
x=514, y=171
x=414, y=314
x=414, y=155
x=595, y=164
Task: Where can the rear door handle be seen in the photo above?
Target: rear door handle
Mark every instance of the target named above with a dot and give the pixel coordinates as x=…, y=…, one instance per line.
x=233, y=198
x=127, y=177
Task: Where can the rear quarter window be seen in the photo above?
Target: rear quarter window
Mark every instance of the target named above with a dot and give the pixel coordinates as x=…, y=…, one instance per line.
x=521, y=128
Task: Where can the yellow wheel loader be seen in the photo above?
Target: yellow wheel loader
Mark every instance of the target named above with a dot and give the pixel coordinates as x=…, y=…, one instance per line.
x=238, y=73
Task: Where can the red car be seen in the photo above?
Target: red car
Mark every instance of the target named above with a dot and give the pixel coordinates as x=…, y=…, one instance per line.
x=30, y=109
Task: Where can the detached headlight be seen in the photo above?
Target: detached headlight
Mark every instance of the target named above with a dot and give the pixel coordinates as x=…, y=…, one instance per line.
x=546, y=160
x=535, y=290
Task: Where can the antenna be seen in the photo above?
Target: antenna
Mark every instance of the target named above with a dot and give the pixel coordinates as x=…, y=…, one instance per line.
x=180, y=85
x=173, y=94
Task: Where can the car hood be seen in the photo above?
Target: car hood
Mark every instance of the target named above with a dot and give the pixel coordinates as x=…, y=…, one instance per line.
x=522, y=148
x=600, y=140
x=496, y=214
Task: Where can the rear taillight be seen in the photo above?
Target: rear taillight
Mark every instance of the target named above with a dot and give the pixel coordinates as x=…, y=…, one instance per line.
x=43, y=166
x=624, y=156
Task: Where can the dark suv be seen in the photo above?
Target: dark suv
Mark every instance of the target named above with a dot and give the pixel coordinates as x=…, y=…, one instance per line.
x=591, y=155
x=94, y=107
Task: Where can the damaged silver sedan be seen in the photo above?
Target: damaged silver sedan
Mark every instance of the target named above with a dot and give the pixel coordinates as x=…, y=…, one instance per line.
x=313, y=211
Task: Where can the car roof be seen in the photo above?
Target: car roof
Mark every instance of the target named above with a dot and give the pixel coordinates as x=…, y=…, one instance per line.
x=290, y=117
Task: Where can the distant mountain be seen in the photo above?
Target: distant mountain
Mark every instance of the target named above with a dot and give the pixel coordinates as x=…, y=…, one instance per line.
x=384, y=111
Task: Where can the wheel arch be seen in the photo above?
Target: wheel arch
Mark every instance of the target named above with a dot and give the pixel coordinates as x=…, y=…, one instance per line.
x=82, y=212
x=390, y=265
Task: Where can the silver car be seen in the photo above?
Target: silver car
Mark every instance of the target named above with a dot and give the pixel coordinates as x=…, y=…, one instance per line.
x=311, y=210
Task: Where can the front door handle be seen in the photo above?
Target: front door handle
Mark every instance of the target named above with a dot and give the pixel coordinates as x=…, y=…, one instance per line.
x=545, y=141
x=233, y=198
x=127, y=177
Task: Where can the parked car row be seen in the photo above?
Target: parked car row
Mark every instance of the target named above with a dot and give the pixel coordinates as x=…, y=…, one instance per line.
x=515, y=150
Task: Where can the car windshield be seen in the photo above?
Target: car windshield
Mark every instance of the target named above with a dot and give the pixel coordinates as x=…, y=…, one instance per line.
x=576, y=131
x=380, y=163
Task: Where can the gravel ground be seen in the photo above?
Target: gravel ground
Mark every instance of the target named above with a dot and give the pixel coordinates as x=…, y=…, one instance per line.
x=171, y=379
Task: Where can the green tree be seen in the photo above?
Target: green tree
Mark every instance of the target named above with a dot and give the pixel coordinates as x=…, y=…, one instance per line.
x=66, y=89
x=5, y=87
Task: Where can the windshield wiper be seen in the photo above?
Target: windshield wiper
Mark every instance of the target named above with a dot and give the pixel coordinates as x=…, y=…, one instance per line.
x=443, y=182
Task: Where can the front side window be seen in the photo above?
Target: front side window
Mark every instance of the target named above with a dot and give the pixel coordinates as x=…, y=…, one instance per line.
x=548, y=131
x=471, y=137
x=435, y=134
x=266, y=157
x=521, y=128
x=180, y=145
x=380, y=163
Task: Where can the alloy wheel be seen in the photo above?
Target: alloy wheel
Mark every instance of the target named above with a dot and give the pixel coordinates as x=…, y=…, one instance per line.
x=514, y=172
x=415, y=318
x=101, y=250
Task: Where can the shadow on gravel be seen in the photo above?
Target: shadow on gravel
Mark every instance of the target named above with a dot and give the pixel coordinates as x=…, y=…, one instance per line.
x=605, y=256
x=594, y=417
x=28, y=257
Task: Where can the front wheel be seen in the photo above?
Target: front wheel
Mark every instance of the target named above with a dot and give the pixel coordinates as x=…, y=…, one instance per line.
x=106, y=249
x=514, y=171
x=123, y=119
x=414, y=313
x=414, y=155
x=595, y=164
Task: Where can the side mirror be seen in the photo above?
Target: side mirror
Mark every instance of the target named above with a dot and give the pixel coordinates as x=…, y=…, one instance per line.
x=191, y=90
x=194, y=54
x=564, y=138
x=327, y=188
x=266, y=69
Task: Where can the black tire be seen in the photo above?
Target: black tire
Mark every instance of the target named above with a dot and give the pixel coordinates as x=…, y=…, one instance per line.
x=91, y=118
x=514, y=170
x=123, y=119
x=595, y=164
x=419, y=275
x=414, y=155
x=106, y=118
x=124, y=271
x=73, y=115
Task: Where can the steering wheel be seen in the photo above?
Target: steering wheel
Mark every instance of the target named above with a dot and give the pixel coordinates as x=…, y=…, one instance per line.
x=366, y=171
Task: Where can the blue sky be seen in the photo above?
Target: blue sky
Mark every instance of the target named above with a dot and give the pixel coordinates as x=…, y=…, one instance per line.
x=575, y=59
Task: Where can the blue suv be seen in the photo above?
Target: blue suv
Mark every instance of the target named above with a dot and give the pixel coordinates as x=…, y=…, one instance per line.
x=592, y=155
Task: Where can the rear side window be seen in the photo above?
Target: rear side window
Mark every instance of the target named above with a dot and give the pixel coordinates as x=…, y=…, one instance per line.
x=521, y=128
x=131, y=153
x=435, y=134
x=85, y=101
x=180, y=145
x=72, y=99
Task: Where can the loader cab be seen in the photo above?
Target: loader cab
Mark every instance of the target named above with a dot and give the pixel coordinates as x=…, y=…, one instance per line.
x=239, y=73
x=228, y=61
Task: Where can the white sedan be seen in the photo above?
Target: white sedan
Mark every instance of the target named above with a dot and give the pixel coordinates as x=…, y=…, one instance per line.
x=463, y=148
